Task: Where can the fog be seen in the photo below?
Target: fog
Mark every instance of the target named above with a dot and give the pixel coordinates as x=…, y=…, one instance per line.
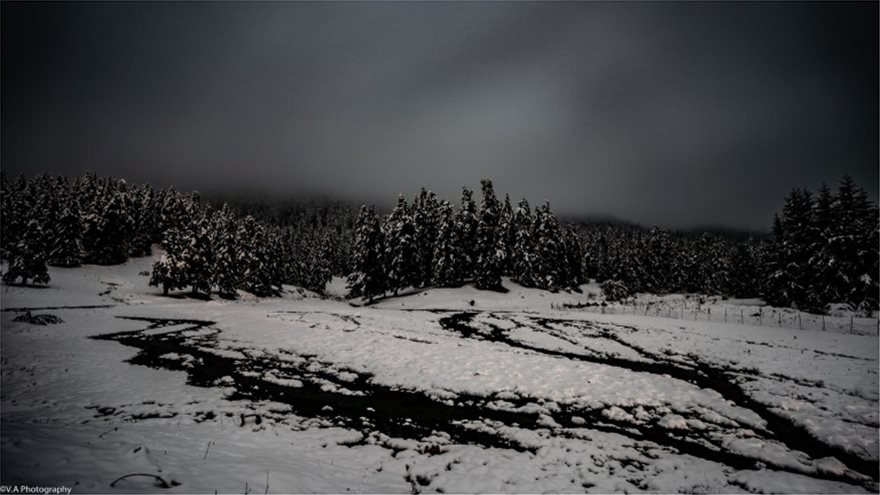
x=677, y=114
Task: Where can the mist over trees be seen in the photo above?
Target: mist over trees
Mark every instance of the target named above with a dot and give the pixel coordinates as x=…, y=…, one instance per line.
x=822, y=249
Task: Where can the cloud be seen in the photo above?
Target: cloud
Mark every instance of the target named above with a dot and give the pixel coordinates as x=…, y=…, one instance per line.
x=675, y=114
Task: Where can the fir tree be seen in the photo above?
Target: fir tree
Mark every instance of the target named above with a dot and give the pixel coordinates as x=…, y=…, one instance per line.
x=823, y=262
x=425, y=217
x=66, y=249
x=466, y=226
x=798, y=234
x=574, y=256
x=401, y=251
x=368, y=278
x=548, y=251
x=257, y=266
x=508, y=235
x=448, y=258
x=28, y=258
x=169, y=271
x=110, y=232
x=14, y=213
x=319, y=274
x=226, y=272
x=143, y=222
x=524, y=248
x=746, y=270
x=198, y=252
x=490, y=251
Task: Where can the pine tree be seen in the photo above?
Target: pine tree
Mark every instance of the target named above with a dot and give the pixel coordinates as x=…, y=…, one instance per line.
x=187, y=261
x=774, y=288
x=448, y=258
x=401, y=251
x=143, y=222
x=548, y=249
x=823, y=262
x=508, y=235
x=46, y=206
x=425, y=217
x=226, y=272
x=746, y=270
x=169, y=271
x=368, y=278
x=319, y=273
x=110, y=232
x=13, y=214
x=66, y=249
x=798, y=235
x=524, y=247
x=658, y=260
x=198, y=252
x=574, y=256
x=466, y=226
x=855, y=246
x=257, y=266
x=28, y=258
x=490, y=251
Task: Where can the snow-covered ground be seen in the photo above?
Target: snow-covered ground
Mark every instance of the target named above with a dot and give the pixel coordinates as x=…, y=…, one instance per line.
x=449, y=390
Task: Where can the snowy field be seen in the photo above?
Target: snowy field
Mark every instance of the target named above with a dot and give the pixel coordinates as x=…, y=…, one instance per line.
x=445, y=390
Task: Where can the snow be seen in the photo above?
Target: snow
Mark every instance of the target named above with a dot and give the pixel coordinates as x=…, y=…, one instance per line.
x=424, y=392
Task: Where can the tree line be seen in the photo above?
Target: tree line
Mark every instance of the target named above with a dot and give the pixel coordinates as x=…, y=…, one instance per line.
x=430, y=242
x=823, y=247
x=63, y=222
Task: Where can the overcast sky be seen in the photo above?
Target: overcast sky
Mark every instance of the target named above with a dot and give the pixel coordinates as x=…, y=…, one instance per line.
x=661, y=113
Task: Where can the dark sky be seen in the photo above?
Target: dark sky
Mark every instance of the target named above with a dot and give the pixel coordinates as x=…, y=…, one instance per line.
x=675, y=114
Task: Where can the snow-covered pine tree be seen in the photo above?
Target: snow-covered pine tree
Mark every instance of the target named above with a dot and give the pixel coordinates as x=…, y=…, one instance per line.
x=746, y=270
x=255, y=255
x=111, y=229
x=850, y=242
x=46, y=207
x=13, y=214
x=524, y=248
x=171, y=211
x=198, y=252
x=401, y=251
x=426, y=218
x=712, y=265
x=658, y=259
x=143, y=222
x=869, y=265
x=508, y=235
x=822, y=261
x=275, y=259
x=66, y=249
x=776, y=279
x=466, y=226
x=368, y=277
x=798, y=234
x=28, y=258
x=447, y=258
x=226, y=269
x=548, y=249
x=319, y=266
x=574, y=259
x=169, y=271
x=490, y=248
